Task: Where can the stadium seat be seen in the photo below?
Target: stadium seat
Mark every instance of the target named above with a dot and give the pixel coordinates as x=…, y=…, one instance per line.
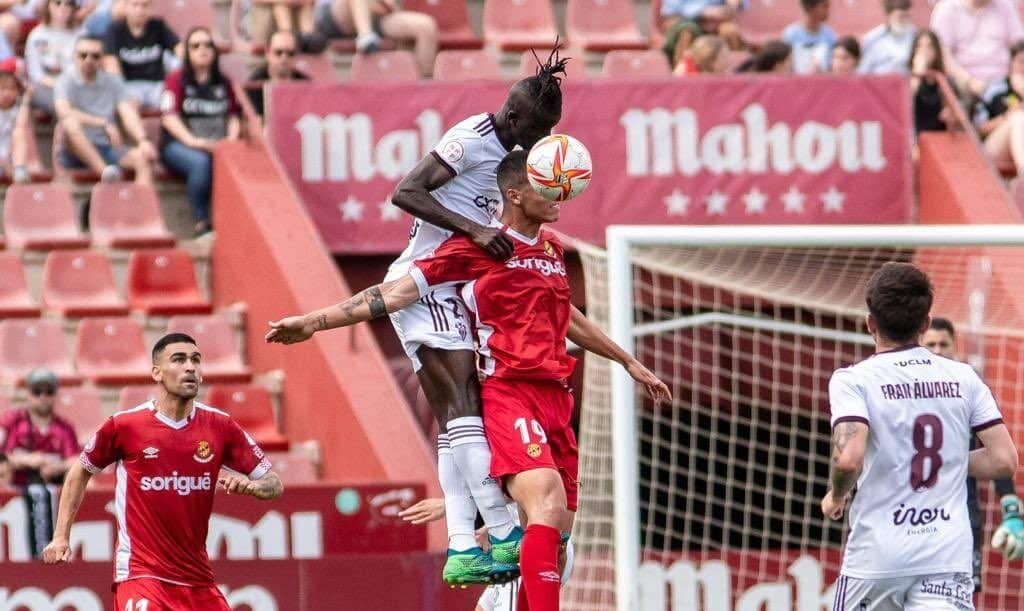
x=41, y=217
x=385, y=66
x=215, y=336
x=15, y=300
x=252, y=409
x=163, y=282
x=29, y=343
x=134, y=396
x=575, y=69
x=293, y=467
x=127, y=215
x=764, y=20
x=82, y=407
x=237, y=66
x=518, y=25
x=603, y=25
x=650, y=63
x=921, y=12
x=856, y=17
x=317, y=67
x=452, y=20
x=81, y=283
x=466, y=66
x=657, y=37
x=183, y=15
x=112, y=351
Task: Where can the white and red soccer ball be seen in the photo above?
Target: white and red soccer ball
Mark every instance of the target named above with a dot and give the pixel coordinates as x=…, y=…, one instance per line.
x=558, y=167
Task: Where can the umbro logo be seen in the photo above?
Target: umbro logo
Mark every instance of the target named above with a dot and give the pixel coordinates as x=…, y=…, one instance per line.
x=151, y=452
x=550, y=576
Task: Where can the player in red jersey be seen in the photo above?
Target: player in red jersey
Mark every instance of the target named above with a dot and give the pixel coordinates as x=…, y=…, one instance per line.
x=169, y=452
x=522, y=309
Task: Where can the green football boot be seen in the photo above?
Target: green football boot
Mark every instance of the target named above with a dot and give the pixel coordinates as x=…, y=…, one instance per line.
x=466, y=568
x=506, y=551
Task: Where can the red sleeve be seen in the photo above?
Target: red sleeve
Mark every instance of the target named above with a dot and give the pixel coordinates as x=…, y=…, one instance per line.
x=173, y=96
x=102, y=449
x=242, y=454
x=458, y=259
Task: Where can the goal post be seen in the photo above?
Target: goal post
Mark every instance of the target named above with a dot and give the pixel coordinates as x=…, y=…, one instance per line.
x=835, y=331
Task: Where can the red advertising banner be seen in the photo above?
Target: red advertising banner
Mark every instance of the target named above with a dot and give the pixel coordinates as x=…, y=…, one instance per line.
x=713, y=150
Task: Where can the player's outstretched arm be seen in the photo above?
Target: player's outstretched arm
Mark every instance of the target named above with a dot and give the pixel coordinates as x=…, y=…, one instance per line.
x=427, y=510
x=265, y=488
x=849, y=443
x=591, y=338
x=374, y=302
x=71, y=494
x=997, y=458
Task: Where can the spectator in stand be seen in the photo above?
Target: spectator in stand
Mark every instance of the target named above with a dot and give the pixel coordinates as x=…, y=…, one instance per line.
x=368, y=20
x=280, y=66
x=39, y=444
x=199, y=110
x=975, y=35
x=707, y=55
x=775, y=57
x=15, y=126
x=886, y=48
x=1000, y=117
x=265, y=17
x=88, y=101
x=685, y=20
x=17, y=19
x=926, y=60
x=845, y=56
x=137, y=48
x=811, y=39
x=48, y=50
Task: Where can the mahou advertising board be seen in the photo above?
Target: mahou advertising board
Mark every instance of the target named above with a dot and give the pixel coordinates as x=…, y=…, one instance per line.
x=713, y=150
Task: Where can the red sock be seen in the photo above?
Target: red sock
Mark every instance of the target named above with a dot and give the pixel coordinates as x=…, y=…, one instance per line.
x=521, y=603
x=538, y=563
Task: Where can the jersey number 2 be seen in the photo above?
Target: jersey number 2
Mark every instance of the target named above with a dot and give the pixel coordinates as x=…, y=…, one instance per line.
x=927, y=451
x=137, y=605
x=524, y=432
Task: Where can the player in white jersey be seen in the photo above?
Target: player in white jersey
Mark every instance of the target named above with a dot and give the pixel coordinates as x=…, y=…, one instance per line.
x=901, y=426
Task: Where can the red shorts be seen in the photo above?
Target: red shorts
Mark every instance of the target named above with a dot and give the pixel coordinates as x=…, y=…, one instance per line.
x=149, y=594
x=529, y=426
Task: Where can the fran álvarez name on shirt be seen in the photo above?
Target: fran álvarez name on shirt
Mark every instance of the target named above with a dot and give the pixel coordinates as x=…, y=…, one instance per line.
x=921, y=390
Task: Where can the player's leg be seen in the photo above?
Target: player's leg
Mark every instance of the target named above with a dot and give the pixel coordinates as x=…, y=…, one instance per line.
x=459, y=508
x=852, y=594
x=418, y=28
x=947, y=592
x=542, y=496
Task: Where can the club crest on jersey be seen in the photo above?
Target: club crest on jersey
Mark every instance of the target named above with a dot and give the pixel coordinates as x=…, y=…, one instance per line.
x=549, y=250
x=453, y=151
x=533, y=450
x=203, y=452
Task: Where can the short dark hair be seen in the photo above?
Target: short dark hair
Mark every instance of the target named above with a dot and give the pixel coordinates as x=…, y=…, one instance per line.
x=850, y=45
x=772, y=53
x=90, y=38
x=899, y=297
x=545, y=87
x=512, y=171
x=942, y=324
x=809, y=4
x=170, y=338
x=1016, y=48
x=895, y=5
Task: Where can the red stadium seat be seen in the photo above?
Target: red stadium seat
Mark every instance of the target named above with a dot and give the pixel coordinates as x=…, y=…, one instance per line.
x=575, y=69
x=81, y=283
x=603, y=25
x=657, y=37
x=293, y=467
x=215, y=336
x=636, y=63
x=15, y=300
x=385, y=66
x=163, y=282
x=517, y=25
x=237, y=66
x=112, y=351
x=41, y=217
x=466, y=66
x=253, y=410
x=856, y=17
x=317, y=67
x=183, y=15
x=27, y=344
x=82, y=407
x=921, y=12
x=127, y=215
x=764, y=20
x=452, y=22
x=134, y=396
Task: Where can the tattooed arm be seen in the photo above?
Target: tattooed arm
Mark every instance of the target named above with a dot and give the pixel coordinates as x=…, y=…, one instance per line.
x=374, y=302
x=849, y=442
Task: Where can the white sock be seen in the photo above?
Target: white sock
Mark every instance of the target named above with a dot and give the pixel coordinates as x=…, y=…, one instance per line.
x=473, y=456
x=459, y=508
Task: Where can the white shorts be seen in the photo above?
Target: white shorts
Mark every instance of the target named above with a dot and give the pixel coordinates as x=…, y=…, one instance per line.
x=943, y=592
x=437, y=320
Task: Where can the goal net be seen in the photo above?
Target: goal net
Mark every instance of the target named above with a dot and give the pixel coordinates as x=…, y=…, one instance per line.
x=712, y=503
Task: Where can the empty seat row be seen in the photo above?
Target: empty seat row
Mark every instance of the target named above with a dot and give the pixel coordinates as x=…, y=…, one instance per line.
x=81, y=283
x=121, y=215
x=112, y=350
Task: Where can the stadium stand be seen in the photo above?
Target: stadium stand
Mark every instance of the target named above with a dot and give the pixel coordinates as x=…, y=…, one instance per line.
x=41, y=217
x=518, y=25
x=183, y=15
x=385, y=66
x=603, y=25
x=856, y=17
x=5, y=402
x=127, y=215
x=222, y=360
x=111, y=351
x=575, y=70
x=29, y=343
x=82, y=407
x=764, y=20
x=15, y=299
x=237, y=66
x=81, y=283
x=635, y=64
x=466, y=66
x=251, y=406
x=134, y=396
x=294, y=468
x=452, y=22
x=163, y=282
x=316, y=67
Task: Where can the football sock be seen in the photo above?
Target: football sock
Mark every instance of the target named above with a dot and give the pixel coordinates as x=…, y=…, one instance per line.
x=459, y=508
x=473, y=457
x=538, y=564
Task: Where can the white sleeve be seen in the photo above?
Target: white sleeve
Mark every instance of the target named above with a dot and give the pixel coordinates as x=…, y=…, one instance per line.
x=846, y=398
x=458, y=149
x=984, y=411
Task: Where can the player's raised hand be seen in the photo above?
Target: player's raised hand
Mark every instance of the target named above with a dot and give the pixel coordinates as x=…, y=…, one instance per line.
x=425, y=511
x=832, y=507
x=57, y=551
x=291, y=330
x=1009, y=537
x=656, y=389
x=494, y=241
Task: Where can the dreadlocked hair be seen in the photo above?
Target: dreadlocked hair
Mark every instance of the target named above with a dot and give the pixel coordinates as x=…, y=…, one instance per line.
x=545, y=87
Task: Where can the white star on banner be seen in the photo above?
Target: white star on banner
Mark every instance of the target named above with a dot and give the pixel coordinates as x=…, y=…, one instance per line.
x=716, y=202
x=351, y=209
x=676, y=203
x=389, y=212
x=793, y=200
x=833, y=199
x=755, y=201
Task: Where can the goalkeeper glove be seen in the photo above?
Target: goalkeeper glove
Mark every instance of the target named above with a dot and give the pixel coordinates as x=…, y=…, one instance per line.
x=1009, y=537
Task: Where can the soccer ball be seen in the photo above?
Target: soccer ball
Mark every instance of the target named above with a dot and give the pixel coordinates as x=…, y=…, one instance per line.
x=558, y=167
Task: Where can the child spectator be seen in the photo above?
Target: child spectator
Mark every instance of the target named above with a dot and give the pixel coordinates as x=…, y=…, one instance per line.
x=707, y=55
x=1000, y=117
x=886, y=48
x=775, y=56
x=48, y=50
x=136, y=48
x=811, y=39
x=15, y=128
x=368, y=20
x=975, y=35
x=845, y=56
x=926, y=60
